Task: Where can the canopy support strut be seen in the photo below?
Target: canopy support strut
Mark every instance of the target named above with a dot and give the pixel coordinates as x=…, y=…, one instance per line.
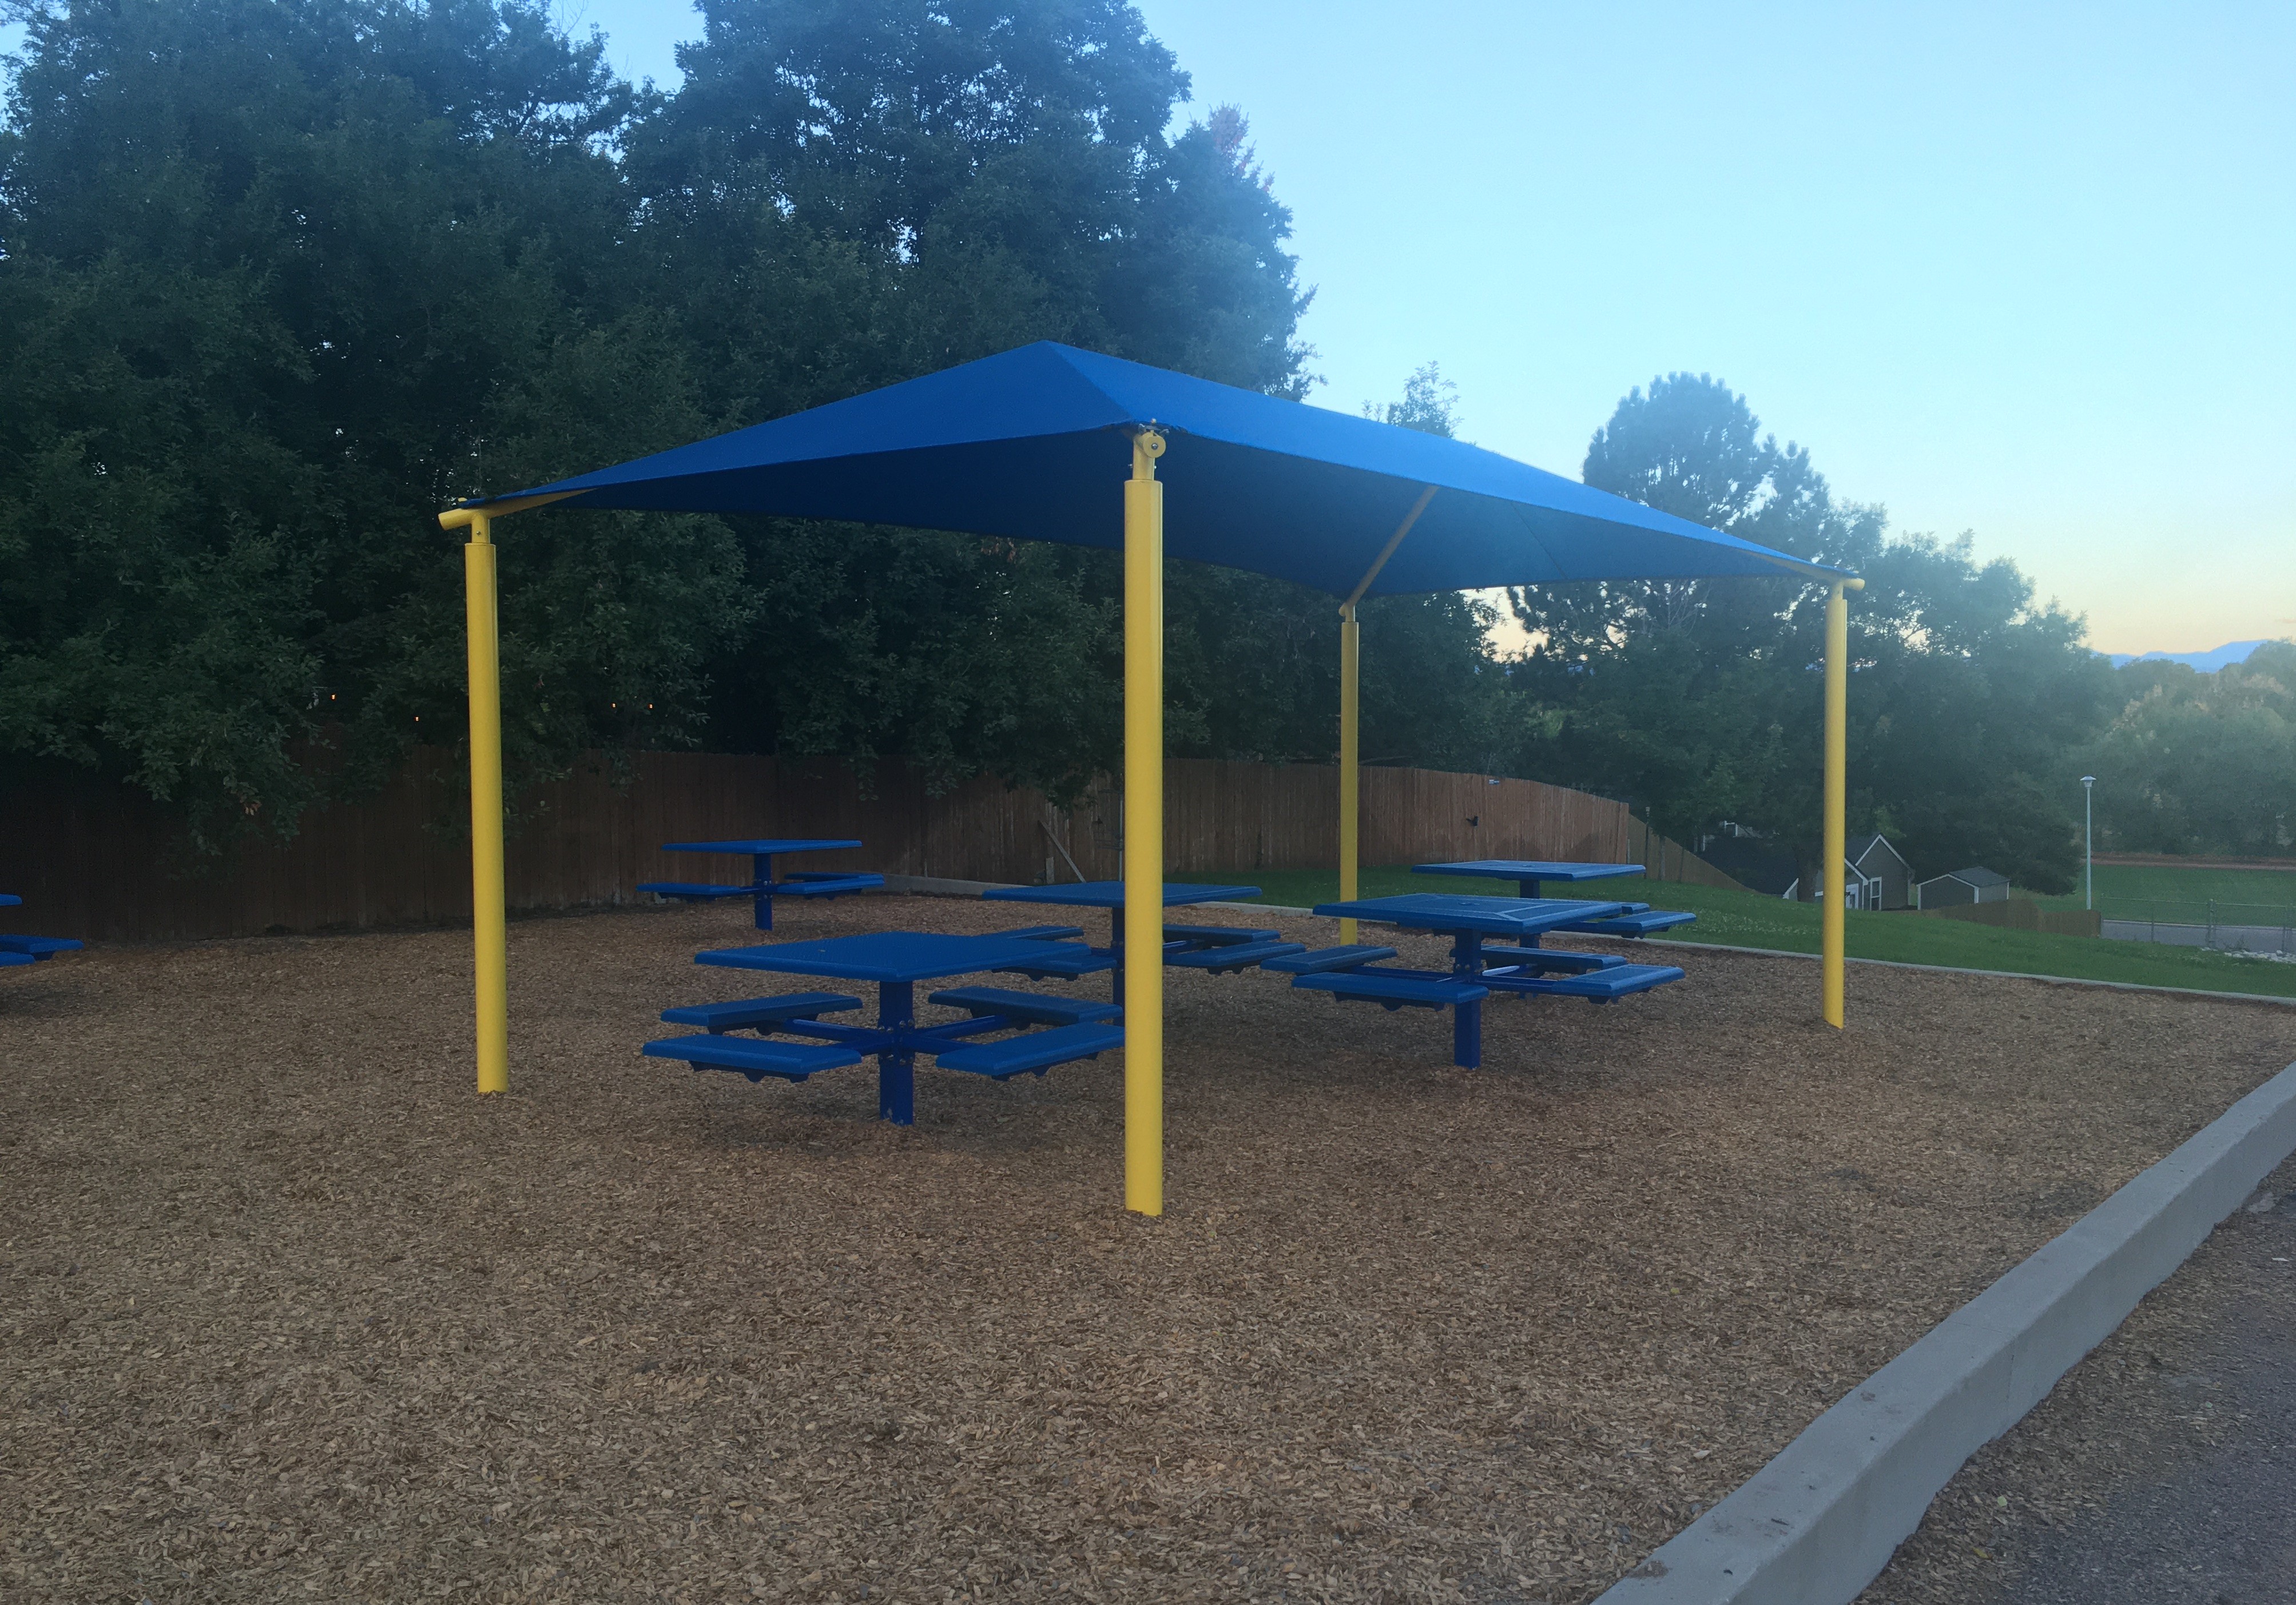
x=1837, y=791
x=1351, y=713
x=1144, y=829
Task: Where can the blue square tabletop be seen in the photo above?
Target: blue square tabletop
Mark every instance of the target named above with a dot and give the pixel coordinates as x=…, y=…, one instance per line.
x=888, y=955
x=1491, y=916
x=1109, y=893
x=1528, y=869
x=754, y=849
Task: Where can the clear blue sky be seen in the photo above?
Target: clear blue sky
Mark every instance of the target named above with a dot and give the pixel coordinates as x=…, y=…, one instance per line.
x=2019, y=270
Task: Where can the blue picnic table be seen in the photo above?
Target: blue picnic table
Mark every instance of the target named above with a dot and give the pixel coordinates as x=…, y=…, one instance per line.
x=1528, y=873
x=1209, y=947
x=761, y=887
x=1638, y=920
x=895, y=960
x=17, y=952
x=1356, y=973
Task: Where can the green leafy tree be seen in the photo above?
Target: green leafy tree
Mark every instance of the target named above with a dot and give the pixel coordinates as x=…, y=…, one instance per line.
x=1703, y=701
x=1430, y=403
x=2199, y=763
x=282, y=280
x=921, y=185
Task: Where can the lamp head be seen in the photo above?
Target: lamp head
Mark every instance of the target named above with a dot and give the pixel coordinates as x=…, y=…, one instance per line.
x=2088, y=780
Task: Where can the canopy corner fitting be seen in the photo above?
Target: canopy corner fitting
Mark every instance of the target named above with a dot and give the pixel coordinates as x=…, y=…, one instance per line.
x=1147, y=446
x=458, y=518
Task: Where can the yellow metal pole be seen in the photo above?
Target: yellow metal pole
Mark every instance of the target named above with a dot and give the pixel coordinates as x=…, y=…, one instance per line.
x=1144, y=829
x=1351, y=758
x=489, y=940
x=1351, y=712
x=1837, y=789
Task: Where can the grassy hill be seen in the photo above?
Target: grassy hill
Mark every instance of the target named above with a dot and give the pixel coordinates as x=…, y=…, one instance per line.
x=1748, y=920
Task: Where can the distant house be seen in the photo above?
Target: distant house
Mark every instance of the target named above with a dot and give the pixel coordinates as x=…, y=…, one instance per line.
x=1962, y=886
x=1874, y=874
x=1888, y=879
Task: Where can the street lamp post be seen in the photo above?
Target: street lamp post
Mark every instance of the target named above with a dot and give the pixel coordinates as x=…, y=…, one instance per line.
x=2088, y=835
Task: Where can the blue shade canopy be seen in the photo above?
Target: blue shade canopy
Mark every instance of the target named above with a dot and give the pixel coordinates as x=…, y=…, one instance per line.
x=1031, y=445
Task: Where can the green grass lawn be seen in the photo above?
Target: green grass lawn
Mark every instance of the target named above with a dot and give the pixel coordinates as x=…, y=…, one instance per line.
x=1748, y=920
x=2133, y=892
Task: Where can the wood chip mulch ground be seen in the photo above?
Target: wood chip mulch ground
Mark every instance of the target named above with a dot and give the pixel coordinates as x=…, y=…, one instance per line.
x=286, y=1313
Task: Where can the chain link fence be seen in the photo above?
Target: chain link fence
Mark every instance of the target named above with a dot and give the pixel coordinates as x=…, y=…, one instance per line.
x=2229, y=927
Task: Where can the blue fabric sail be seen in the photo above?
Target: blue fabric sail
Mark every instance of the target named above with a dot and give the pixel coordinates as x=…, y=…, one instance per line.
x=1032, y=445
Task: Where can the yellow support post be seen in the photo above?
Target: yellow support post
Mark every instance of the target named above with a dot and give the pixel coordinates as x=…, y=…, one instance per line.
x=488, y=938
x=1351, y=759
x=1144, y=829
x=1351, y=714
x=1837, y=791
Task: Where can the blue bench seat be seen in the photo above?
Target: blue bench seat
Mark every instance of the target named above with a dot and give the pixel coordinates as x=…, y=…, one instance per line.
x=1394, y=991
x=751, y=1012
x=1027, y=1008
x=1236, y=955
x=38, y=947
x=1037, y=1051
x=1542, y=959
x=1640, y=924
x=1066, y=966
x=754, y=1057
x=1041, y=933
x=1217, y=935
x=1602, y=986
x=694, y=891
x=820, y=883
x=9, y=961
x=1327, y=958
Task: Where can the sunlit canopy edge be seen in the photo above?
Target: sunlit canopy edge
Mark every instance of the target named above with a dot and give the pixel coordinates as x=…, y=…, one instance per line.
x=1029, y=444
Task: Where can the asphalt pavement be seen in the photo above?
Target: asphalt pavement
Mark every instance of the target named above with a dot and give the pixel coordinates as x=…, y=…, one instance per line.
x=2161, y=1470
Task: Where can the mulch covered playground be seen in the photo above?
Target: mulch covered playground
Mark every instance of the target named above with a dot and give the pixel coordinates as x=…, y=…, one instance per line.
x=1468, y=1290
x=287, y=1315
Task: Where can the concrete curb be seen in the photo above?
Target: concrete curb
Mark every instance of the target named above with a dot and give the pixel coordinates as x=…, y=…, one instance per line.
x=1820, y=1521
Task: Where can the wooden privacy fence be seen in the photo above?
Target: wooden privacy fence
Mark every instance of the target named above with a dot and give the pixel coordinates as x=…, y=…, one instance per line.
x=96, y=860
x=2023, y=914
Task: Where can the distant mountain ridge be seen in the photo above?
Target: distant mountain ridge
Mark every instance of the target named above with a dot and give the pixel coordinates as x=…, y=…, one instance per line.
x=2208, y=663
